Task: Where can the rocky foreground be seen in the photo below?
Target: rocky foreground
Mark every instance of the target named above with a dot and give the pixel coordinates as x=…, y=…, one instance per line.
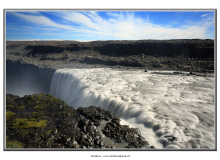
x=192, y=55
x=42, y=121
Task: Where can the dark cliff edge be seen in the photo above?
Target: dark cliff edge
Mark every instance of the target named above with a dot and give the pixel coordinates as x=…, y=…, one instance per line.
x=42, y=121
x=193, y=48
x=193, y=55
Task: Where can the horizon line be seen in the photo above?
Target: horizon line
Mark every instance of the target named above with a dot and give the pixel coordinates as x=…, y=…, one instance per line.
x=106, y=40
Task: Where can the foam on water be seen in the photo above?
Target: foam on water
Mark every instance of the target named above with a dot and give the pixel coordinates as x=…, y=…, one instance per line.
x=159, y=105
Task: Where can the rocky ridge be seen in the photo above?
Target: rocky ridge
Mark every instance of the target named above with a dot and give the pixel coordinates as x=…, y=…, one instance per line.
x=42, y=121
x=193, y=55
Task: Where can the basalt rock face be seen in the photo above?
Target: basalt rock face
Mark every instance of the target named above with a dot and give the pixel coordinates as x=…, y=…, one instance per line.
x=193, y=48
x=196, y=55
x=42, y=121
x=24, y=79
x=123, y=133
x=95, y=114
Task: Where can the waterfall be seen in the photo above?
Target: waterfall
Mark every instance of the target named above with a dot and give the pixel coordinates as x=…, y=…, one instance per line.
x=160, y=106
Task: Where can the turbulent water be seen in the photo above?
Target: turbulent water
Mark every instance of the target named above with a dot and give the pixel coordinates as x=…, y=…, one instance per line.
x=159, y=105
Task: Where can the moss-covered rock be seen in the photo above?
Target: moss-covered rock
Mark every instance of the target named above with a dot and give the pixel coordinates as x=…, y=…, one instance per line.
x=13, y=144
x=9, y=114
x=33, y=118
x=28, y=123
x=43, y=121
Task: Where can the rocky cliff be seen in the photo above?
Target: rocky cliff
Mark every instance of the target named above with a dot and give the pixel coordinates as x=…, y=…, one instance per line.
x=42, y=121
x=195, y=55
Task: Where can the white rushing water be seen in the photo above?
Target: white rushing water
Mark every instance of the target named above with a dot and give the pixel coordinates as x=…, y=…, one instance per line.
x=159, y=105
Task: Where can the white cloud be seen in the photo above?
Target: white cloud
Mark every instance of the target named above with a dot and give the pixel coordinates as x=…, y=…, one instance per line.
x=204, y=15
x=41, y=20
x=120, y=26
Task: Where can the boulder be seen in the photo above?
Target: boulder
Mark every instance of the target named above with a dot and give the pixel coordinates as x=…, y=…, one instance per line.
x=123, y=133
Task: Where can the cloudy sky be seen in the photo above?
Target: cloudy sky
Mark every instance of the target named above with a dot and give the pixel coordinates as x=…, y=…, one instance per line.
x=109, y=25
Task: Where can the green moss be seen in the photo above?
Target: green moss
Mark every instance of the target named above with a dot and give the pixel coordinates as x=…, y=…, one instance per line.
x=39, y=107
x=38, y=101
x=38, y=98
x=22, y=107
x=32, y=97
x=48, y=101
x=28, y=123
x=8, y=96
x=49, y=131
x=32, y=119
x=40, y=95
x=35, y=97
x=13, y=144
x=35, y=114
x=53, y=99
x=9, y=114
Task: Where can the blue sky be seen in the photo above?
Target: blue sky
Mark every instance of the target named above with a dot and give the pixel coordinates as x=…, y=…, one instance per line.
x=109, y=25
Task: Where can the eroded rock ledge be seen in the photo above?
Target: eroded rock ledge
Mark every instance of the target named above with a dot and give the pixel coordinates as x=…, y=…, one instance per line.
x=191, y=55
x=42, y=121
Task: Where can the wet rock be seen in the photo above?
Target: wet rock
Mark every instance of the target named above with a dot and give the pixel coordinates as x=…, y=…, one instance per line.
x=121, y=133
x=152, y=147
x=95, y=114
x=97, y=123
x=170, y=138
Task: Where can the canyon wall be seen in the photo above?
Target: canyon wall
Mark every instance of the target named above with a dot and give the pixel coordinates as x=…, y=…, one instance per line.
x=22, y=79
